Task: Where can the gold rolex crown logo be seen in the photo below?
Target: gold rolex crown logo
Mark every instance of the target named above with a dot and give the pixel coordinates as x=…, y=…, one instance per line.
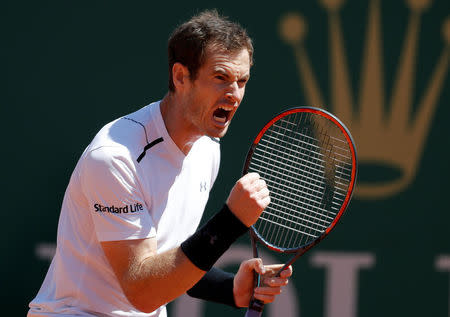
x=391, y=137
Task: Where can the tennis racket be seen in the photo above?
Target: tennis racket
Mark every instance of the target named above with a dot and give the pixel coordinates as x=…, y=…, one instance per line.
x=308, y=159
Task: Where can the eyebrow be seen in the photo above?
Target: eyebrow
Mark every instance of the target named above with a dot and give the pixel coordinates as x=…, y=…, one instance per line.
x=246, y=76
x=221, y=71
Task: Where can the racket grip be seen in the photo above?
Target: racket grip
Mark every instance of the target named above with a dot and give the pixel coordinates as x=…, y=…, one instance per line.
x=253, y=313
x=255, y=308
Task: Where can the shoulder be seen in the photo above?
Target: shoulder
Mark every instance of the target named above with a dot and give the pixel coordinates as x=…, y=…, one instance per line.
x=108, y=159
x=107, y=169
x=125, y=136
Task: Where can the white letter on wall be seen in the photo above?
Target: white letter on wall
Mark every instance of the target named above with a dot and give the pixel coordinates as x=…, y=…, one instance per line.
x=342, y=280
x=443, y=264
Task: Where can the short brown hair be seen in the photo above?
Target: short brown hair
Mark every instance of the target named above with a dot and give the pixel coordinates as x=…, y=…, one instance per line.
x=188, y=42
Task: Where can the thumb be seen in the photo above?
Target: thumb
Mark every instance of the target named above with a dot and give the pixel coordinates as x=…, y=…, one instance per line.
x=256, y=265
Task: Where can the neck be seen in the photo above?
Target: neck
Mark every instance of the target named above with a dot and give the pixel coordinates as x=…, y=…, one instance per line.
x=172, y=114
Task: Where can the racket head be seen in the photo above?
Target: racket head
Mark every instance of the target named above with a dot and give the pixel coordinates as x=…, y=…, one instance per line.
x=307, y=157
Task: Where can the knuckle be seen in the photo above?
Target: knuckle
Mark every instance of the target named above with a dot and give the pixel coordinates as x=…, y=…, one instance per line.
x=261, y=205
x=260, y=184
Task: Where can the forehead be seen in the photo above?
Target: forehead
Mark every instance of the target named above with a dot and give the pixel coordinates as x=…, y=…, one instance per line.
x=230, y=61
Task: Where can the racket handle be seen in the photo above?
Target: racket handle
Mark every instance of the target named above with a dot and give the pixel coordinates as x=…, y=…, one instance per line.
x=253, y=313
x=255, y=308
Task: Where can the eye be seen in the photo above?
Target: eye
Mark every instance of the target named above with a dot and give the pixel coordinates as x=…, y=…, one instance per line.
x=220, y=77
x=242, y=82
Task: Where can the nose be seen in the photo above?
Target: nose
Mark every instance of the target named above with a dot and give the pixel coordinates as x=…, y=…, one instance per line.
x=234, y=94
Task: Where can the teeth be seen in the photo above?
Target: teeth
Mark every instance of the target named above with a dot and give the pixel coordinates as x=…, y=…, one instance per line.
x=220, y=119
x=227, y=108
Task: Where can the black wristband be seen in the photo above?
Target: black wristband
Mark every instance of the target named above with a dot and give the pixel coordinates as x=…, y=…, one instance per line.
x=209, y=242
x=215, y=286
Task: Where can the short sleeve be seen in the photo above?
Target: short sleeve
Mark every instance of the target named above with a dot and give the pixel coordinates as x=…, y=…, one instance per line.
x=110, y=184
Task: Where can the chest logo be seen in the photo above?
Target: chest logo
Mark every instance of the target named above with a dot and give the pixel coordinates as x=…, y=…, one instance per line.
x=203, y=187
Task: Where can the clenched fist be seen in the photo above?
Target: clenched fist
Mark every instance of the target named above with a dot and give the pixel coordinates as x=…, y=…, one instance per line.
x=248, y=198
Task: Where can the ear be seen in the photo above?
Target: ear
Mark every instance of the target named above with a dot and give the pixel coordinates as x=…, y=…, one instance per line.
x=180, y=76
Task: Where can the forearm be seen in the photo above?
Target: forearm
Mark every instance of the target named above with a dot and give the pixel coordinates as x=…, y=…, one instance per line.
x=216, y=286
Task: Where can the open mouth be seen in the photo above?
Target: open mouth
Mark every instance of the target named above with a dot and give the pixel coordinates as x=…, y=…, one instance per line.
x=222, y=114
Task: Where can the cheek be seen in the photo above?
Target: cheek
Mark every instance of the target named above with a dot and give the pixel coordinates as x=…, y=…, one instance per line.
x=242, y=92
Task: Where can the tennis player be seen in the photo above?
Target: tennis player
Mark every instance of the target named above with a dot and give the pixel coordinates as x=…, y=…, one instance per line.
x=128, y=239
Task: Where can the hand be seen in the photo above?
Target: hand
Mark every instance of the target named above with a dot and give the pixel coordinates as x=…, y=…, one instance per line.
x=271, y=286
x=248, y=198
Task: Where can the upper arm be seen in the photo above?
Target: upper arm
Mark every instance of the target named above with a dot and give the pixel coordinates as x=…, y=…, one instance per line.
x=148, y=279
x=127, y=258
x=124, y=256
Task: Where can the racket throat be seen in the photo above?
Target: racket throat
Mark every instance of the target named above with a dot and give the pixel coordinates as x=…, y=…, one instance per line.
x=291, y=260
x=254, y=247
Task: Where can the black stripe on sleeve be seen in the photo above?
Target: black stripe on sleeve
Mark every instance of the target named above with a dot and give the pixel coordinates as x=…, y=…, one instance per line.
x=148, y=146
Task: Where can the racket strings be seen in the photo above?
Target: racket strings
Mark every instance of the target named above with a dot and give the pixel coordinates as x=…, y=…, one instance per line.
x=310, y=172
x=292, y=227
x=307, y=170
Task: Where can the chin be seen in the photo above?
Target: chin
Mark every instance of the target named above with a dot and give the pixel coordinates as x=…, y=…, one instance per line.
x=218, y=133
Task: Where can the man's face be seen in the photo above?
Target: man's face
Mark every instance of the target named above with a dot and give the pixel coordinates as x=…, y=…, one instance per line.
x=214, y=96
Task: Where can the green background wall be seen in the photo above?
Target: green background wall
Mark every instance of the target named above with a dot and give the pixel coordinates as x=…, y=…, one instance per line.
x=70, y=67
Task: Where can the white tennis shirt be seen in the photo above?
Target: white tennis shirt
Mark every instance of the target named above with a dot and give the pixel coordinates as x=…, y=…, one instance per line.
x=131, y=182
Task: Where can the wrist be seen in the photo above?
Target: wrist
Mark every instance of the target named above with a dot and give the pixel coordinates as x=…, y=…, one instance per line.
x=209, y=242
x=216, y=286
